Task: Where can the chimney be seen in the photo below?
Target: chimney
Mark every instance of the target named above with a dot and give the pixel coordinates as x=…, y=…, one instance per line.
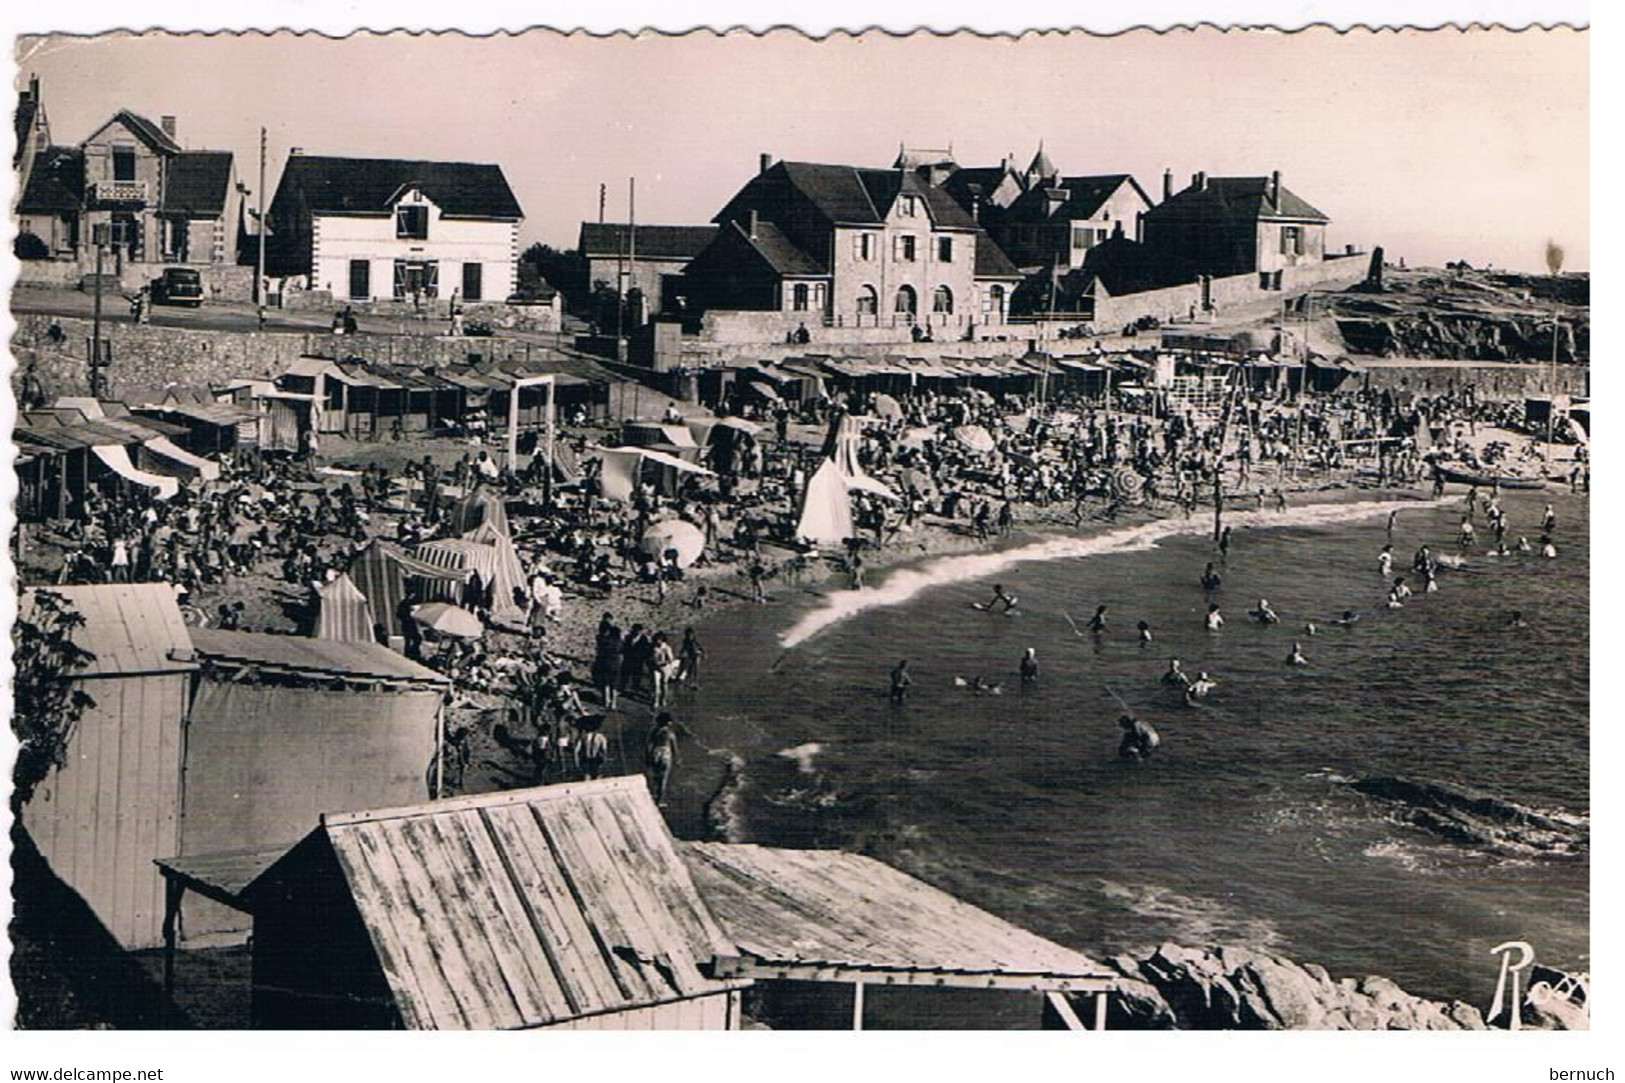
x=1167, y=184
x=753, y=222
x=168, y=125
x=1199, y=181
x=1275, y=189
x=763, y=164
x=33, y=88
x=294, y=152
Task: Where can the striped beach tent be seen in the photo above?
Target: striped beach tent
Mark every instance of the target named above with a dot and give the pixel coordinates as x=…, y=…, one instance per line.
x=345, y=613
x=384, y=572
x=487, y=552
x=478, y=508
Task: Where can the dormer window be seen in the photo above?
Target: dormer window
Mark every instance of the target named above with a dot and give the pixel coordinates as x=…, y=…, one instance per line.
x=910, y=207
x=412, y=222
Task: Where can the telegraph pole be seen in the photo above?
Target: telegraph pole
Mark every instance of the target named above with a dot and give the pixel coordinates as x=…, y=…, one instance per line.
x=96, y=322
x=259, y=275
x=603, y=194
x=632, y=237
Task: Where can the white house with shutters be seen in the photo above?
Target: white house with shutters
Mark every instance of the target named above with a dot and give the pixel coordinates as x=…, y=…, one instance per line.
x=369, y=230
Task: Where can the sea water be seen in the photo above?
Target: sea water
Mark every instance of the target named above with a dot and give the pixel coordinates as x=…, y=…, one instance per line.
x=1243, y=828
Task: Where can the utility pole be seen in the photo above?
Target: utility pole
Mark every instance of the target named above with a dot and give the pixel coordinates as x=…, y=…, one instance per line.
x=603, y=194
x=96, y=317
x=632, y=237
x=259, y=274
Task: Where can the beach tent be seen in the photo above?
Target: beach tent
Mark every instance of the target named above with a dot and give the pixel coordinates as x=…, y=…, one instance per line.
x=345, y=613
x=623, y=465
x=487, y=552
x=826, y=508
x=479, y=507
x=382, y=572
x=678, y=534
x=117, y=459
x=841, y=447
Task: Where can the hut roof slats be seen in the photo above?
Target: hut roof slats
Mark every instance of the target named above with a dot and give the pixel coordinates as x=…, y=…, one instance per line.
x=132, y=629
x=837, y=910
x=315, y=658
x=521, y=909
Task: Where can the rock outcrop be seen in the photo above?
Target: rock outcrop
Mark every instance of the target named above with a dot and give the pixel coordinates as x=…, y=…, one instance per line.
x=1476, y=819
x=1178, y=988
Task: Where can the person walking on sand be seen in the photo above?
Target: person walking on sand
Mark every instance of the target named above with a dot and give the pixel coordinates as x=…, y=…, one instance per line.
x=900, y=682
x=592, y=749
x=660, y=755
x=1029, y=666
x=688, y=659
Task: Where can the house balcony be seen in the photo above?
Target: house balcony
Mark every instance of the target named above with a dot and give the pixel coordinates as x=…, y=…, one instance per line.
x=118, y=193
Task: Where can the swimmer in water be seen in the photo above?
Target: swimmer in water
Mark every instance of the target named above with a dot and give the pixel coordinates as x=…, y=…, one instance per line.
x=1309, y=629
x=1145, y=633
x=1139, y=739
x=1199, y=689
x=1224, y=543
x=1000, y=598
x=1464, y=537
x=1523, y=545
x=1516, y=620
x=900, y=682
x=1430, y=582
x=1029, y=666
x=1547, y=549
x=1264, y=614
x=1385, y=561
x=1215, y=619
x=1296, y=658
x=1349, y=617
x=1398, y=593
x=1423, y=558
x=1097, y=623
x=1548, y=521
x=1210, y=578
x=1175, y=677
x=1393, y=518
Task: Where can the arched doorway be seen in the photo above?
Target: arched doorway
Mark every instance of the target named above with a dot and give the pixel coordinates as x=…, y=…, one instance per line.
x=868, y=303
x=996, y=303
x=942, y=301
x=907, y=303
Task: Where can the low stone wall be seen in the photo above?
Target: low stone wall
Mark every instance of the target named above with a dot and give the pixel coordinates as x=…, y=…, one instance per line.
x=758, y=328
x=1493, y=382
x=223, y=281
x=1231, y=291
x=541, y=317
x=148, y=358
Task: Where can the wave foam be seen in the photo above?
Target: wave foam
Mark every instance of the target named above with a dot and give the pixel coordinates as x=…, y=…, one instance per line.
x=905, y=584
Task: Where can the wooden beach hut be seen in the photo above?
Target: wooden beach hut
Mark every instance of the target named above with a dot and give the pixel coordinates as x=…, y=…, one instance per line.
x=563, y=907
x=838, y=940
x=118, y=801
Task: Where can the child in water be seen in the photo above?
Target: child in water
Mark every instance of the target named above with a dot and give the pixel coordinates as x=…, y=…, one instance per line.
x=1264, y=614
x=1215, y=620
x=1296, y=658
x=1029, y=666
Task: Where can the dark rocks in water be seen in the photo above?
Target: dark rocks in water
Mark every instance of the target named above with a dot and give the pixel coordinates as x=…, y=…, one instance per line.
x=1230, y=988
x=1476, y=819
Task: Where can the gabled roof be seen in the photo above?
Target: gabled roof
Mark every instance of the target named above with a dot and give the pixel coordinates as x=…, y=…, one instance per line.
x=56, y=183
x=133, y=629
x=369, y=186
x=143, y=129
x=975, y=182
x=841, y=194
x=991, y=262
x=1041, y=166
x=519, y=909
x=197, y=183
x=1233, y=197
x=609, y=239
x=779, y=251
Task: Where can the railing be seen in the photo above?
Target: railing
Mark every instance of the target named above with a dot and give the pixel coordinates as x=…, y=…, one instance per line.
x=118, y=191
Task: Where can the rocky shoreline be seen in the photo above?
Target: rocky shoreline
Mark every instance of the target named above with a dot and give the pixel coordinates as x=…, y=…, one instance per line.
x=1233, y=988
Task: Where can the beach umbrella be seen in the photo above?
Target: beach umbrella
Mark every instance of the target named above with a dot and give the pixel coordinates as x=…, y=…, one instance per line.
x=448, y=620
x=685, y=537
x=883, y=405
x=974, y=437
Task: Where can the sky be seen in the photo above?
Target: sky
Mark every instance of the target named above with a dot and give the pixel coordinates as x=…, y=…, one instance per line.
x=1437, y=145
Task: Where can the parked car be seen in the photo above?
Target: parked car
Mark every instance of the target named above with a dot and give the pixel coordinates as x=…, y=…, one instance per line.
x=178, y=286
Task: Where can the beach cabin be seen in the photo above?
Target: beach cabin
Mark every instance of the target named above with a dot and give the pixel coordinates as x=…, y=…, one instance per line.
x=204, y=741
x=839, y=941
x=560, y=907
x=118, y=802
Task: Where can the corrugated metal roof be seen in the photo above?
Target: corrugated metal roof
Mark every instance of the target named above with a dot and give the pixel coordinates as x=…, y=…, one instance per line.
x=529, y=907
x=835, y=909
x=315, y=657
x=133, y=629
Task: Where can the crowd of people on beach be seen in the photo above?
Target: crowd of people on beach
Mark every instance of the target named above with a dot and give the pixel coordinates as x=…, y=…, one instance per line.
x=252, y=547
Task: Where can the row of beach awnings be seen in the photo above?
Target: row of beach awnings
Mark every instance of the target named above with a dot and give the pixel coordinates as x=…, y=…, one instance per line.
x=492, y=376
x=109, y=432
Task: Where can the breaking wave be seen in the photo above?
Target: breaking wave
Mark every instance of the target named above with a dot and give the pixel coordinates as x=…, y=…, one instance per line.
x=905, y=584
